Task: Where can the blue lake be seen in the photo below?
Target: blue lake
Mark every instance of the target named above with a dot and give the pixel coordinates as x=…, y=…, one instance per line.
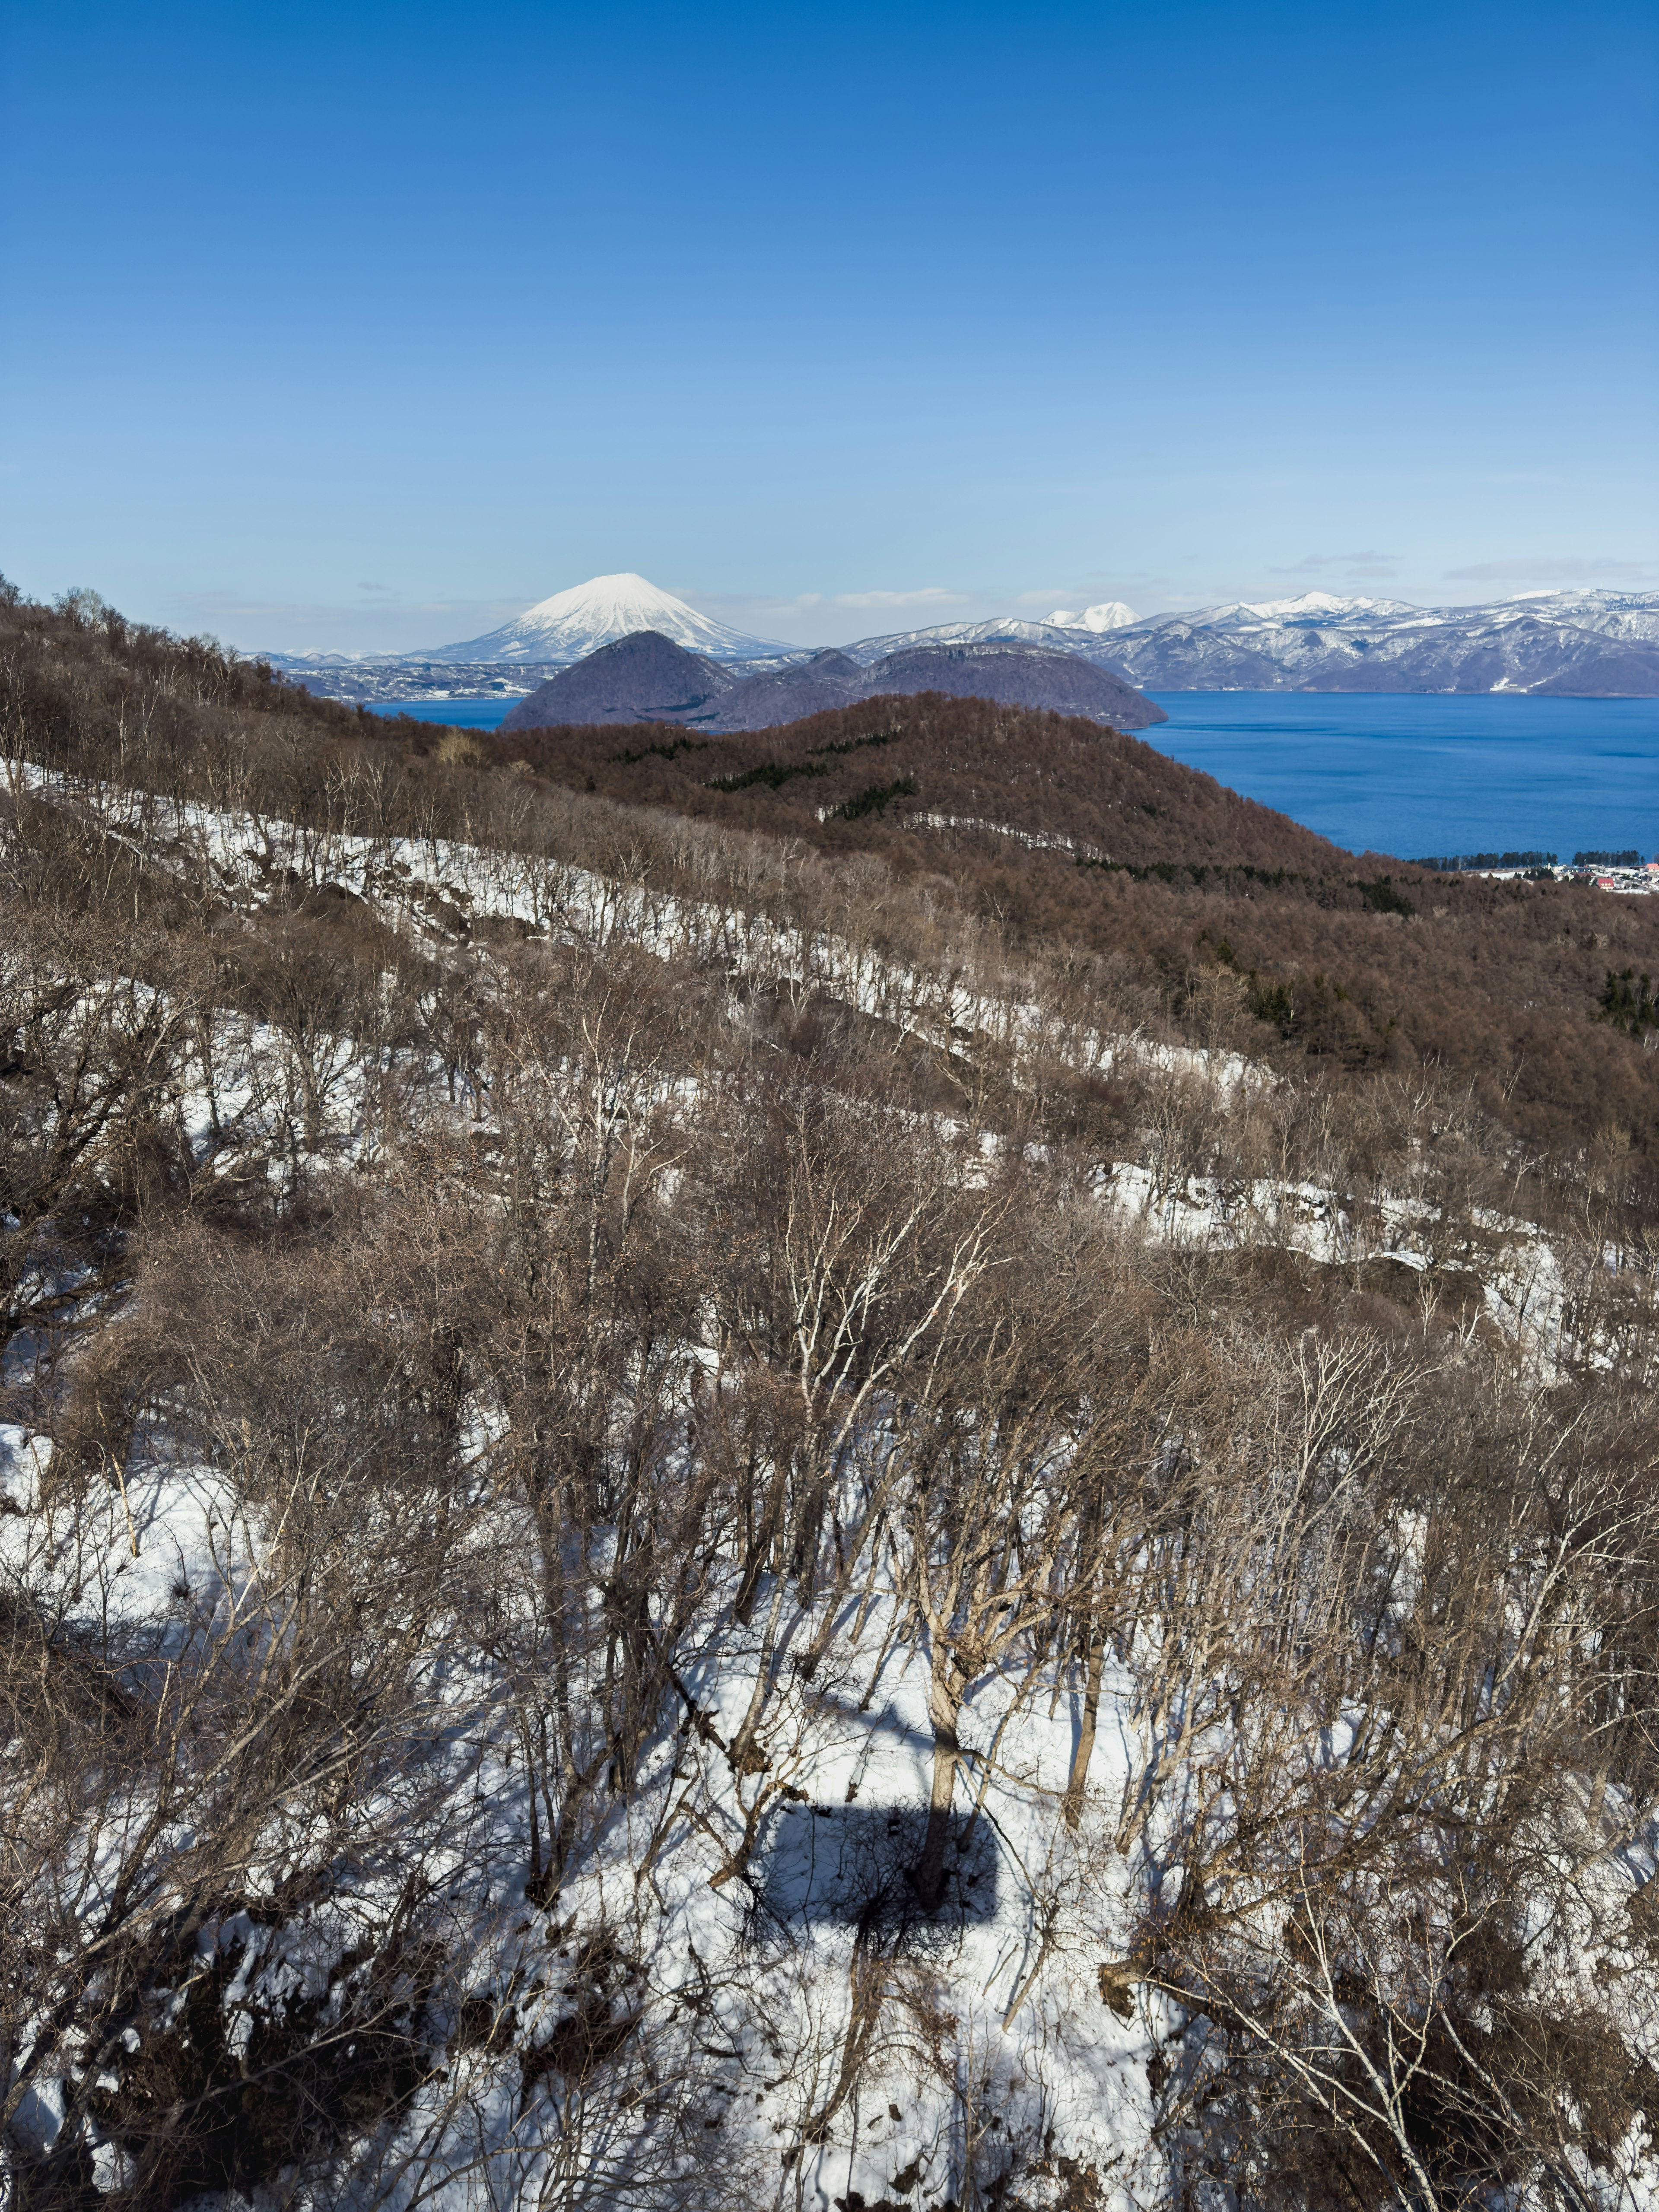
x=454, y=714
x=1405, y=772
x=1413, y=773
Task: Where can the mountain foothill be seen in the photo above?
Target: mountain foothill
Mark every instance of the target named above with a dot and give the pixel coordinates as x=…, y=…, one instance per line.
x=648, y=677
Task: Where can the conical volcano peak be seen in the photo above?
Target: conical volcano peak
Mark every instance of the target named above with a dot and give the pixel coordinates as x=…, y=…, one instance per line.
x=622, y=603
x=577, y=622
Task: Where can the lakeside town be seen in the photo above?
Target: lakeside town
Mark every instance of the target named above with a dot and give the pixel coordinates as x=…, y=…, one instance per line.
x=1641, y=877
x=1626, y=870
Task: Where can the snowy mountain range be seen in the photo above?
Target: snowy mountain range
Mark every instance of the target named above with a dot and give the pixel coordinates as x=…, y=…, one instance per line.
x=1583, y=643
x=1110, y=614
x=1006, y=631
x=1577, y=643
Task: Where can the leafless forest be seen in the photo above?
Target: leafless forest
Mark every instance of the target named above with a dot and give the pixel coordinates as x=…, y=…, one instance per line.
x=705, y=1506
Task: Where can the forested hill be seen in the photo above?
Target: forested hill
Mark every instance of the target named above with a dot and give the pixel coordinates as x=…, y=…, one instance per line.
x=647, y=677
x=719, y=1499
x=1065, y=833
x=930, y=761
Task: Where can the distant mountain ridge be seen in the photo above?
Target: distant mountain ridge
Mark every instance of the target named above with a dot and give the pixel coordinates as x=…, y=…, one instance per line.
x=1582, y=643
x=1110, y=614
x=1579, y=642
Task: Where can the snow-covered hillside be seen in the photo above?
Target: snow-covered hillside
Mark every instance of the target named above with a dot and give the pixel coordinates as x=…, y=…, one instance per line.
x=1003, y=630
x=684, y=1531
x=1594, y=643
x=724, y=1637
x=1310, y=606
x=1613, y=614
x=1110, y=614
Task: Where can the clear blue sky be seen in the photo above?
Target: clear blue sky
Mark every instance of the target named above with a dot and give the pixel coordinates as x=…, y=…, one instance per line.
x=362, y=327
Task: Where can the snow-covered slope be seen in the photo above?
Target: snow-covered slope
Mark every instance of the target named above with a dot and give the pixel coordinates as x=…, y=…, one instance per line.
x=574, y=623
x=1323, y=606
x=723, y=1986
x=1005, y=630
x=1110, y=614
x=1625, y=615
x=1593, y=644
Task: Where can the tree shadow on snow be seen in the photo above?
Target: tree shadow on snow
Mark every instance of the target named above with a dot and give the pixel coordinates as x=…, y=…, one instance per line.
x=852, y=1866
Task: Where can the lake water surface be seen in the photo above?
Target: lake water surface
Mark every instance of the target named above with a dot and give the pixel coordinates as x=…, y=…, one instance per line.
x=454, y=714
x=1405, y=772
x=1410, y=773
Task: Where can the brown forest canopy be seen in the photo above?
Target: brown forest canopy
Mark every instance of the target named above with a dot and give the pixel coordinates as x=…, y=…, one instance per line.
x=1066, y=832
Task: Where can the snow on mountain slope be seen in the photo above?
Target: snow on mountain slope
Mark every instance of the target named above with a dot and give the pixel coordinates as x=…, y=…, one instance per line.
x=1588, y=644
x=1624, y=615
x=575, y=623
x=1110, y=614
x=1315, y=605
x=1009, y=630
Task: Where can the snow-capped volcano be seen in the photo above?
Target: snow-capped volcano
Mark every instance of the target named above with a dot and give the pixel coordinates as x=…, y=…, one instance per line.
x=1110, y=614
x=574, y=623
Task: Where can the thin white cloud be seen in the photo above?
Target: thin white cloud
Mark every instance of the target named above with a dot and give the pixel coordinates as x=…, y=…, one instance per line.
x=381, y=625
x=1550, y=570
x=1351, y=564
x=753, y=603
x=749, y=603
x=1139, y=588
x=932, y=595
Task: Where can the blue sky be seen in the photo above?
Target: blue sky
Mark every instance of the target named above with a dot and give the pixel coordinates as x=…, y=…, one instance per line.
x=362, y=327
